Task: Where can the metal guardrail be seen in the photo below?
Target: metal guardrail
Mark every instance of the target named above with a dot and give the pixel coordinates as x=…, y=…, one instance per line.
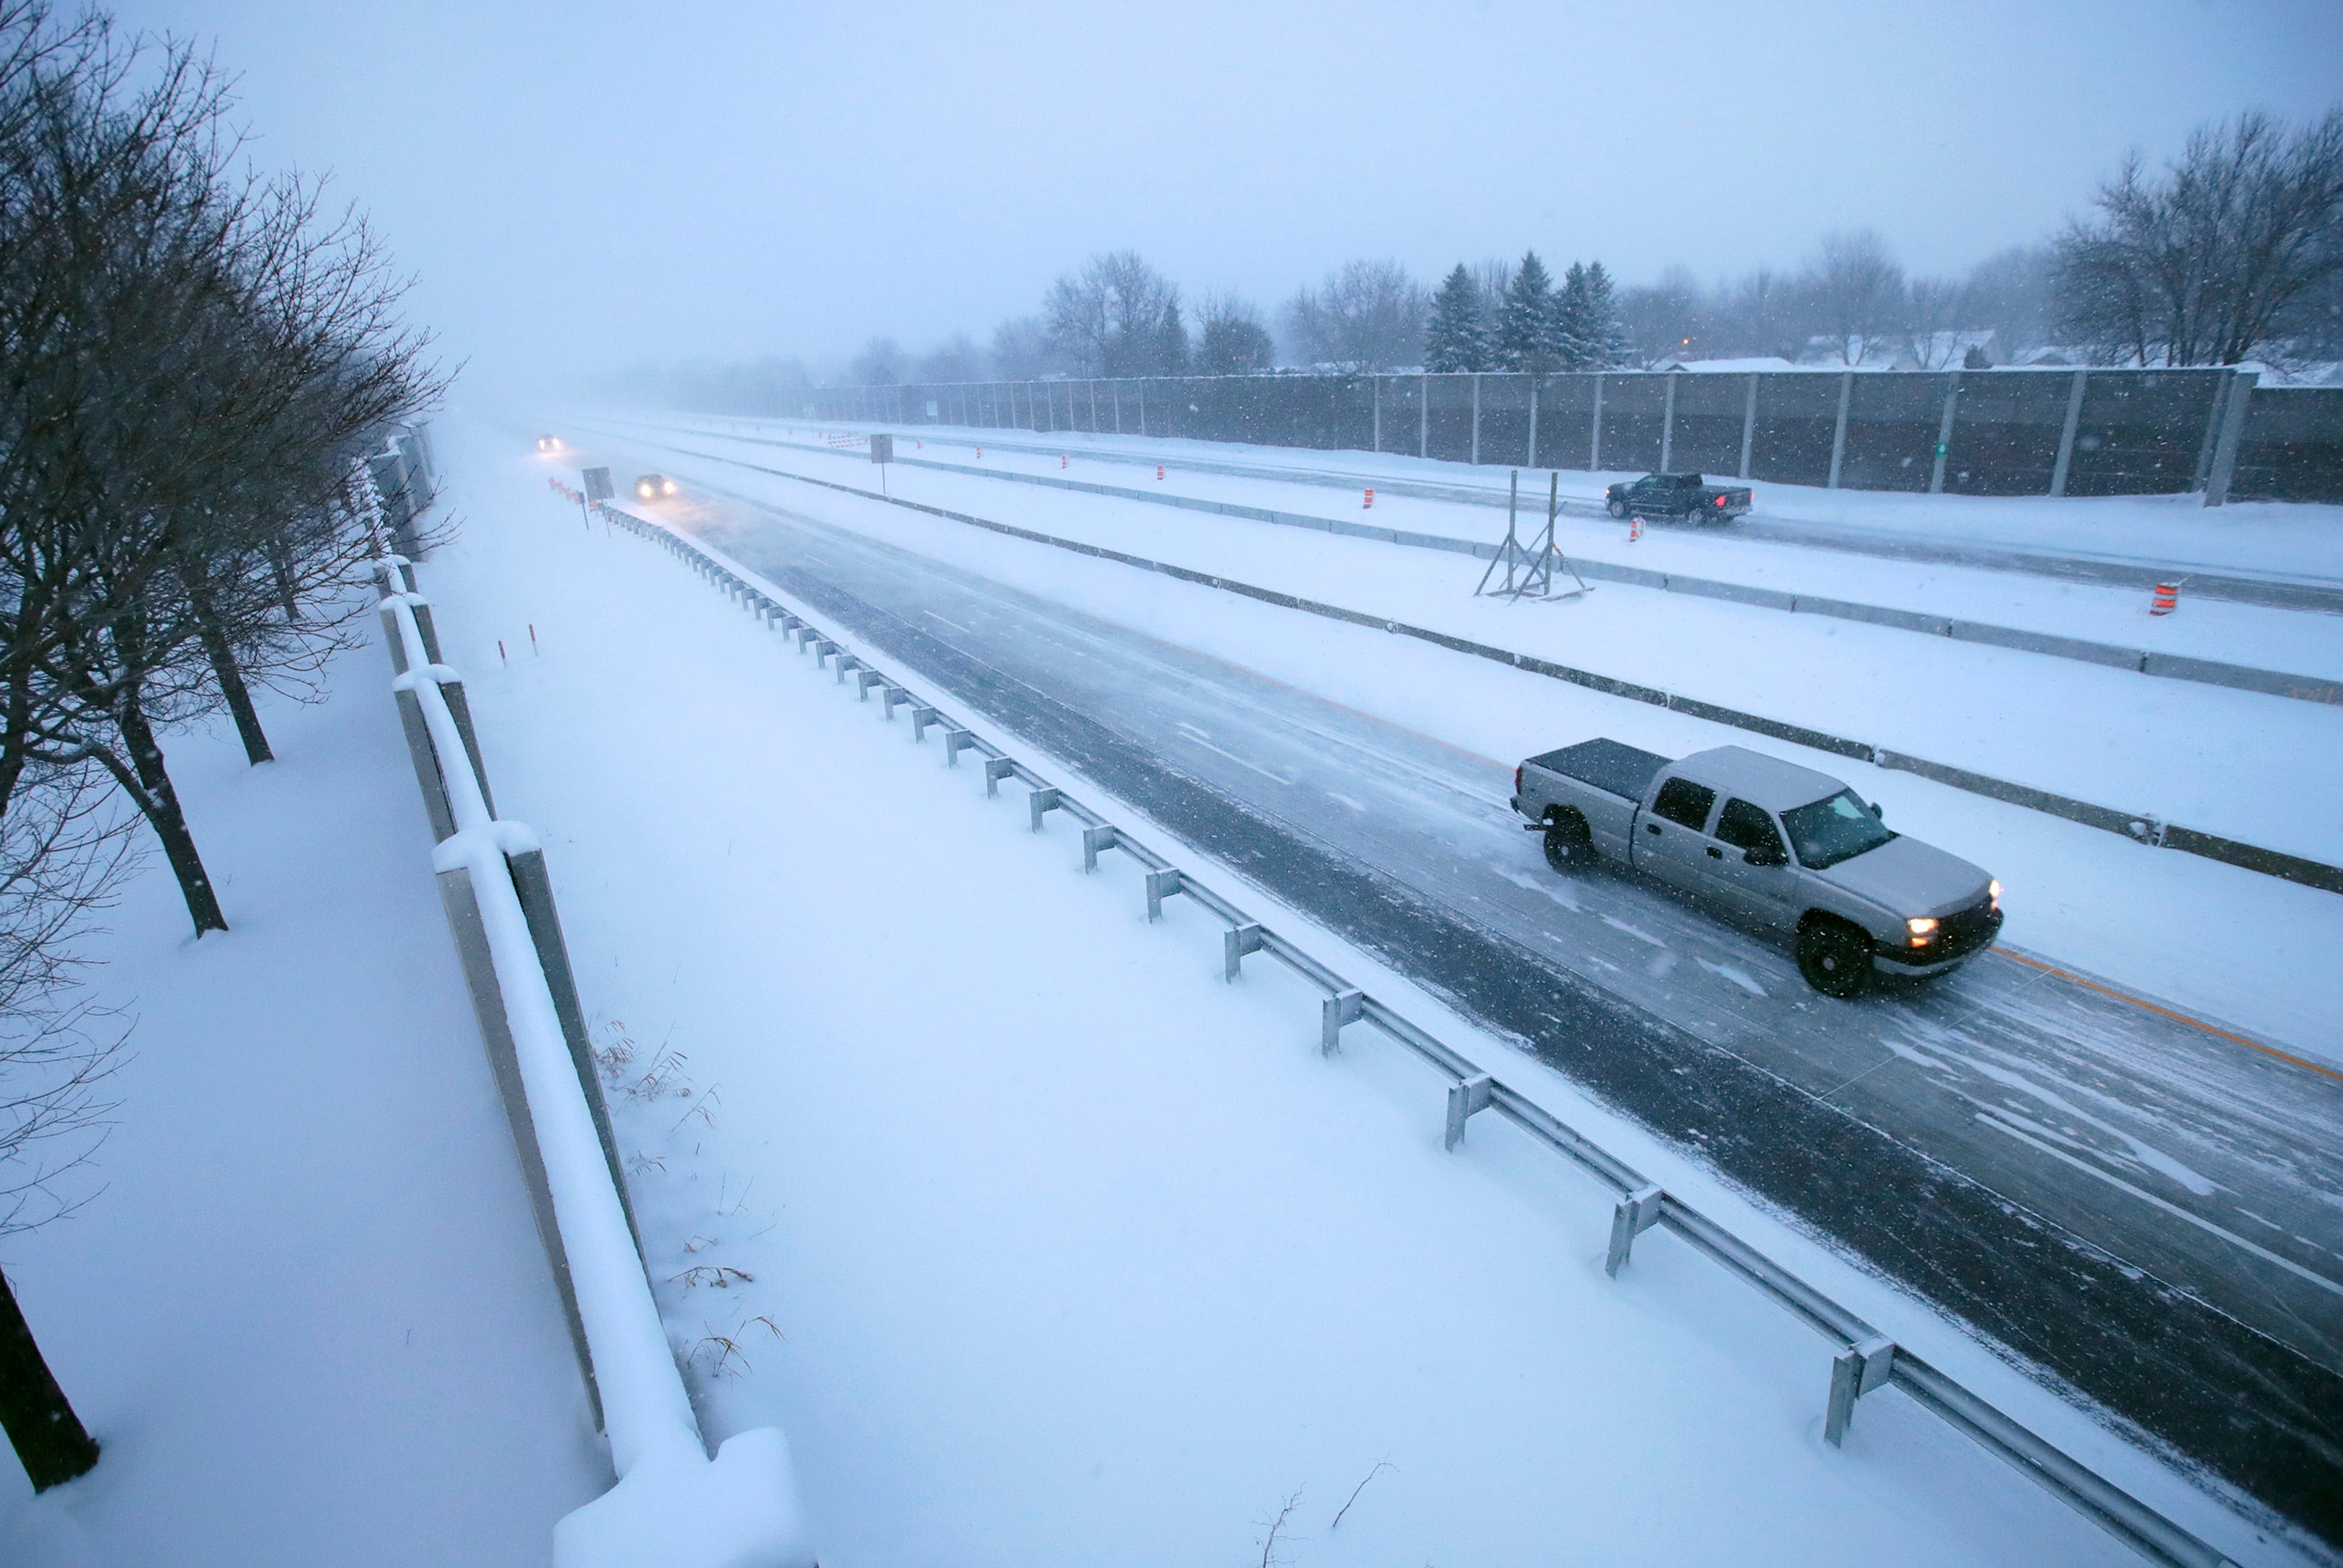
x=673, y=1504
x=1867, y=1361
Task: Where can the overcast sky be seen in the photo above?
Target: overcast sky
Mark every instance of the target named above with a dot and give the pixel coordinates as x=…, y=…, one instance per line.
x=584, y=183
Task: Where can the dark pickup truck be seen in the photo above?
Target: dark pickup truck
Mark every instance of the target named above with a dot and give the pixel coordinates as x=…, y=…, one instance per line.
x=1767, y=843
x=1678, y=496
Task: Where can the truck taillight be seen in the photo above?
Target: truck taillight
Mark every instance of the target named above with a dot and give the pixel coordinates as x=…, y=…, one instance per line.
x=1720, y=500
x=1517, y=783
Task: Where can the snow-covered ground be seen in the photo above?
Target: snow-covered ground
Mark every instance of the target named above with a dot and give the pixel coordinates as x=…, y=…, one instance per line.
x=1045, y=1246
x=306, y=1315
x=2298, y=541
x=2218, y=942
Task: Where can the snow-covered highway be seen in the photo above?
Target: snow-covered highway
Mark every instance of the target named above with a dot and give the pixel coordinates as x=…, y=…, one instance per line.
x=2185, y=1178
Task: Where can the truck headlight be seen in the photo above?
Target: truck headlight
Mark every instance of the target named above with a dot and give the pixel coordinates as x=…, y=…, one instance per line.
x=1994, y=890
x=1922, y=928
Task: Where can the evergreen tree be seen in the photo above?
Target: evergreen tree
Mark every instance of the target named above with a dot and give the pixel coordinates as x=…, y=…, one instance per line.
x=1457, y=339
x=1607, y=343
x=1526, y=335
x=1573, y=344
x=1170, y=345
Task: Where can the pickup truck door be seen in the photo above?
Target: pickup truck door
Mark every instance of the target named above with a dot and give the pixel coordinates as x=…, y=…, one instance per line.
x=1670, y=840
x=1768, y=893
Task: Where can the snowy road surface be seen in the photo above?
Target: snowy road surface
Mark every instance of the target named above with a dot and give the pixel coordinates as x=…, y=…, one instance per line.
x=2197, y=1166
x=2276, y=554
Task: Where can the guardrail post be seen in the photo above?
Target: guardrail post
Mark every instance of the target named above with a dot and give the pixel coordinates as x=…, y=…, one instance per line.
x=1161, y=885
x=921, y=718
x=806, y=636
x=1855, y=1372
x=955, y=742
x=1042, y=802
x=1094, y=839
x=426, y=766
x=846, y=661
x=534, y=884
x=1464, y=1097
x=479, y=966
x=996, y=768
x=822, y=648
x=1344, y=1007
x=888, y=696
x=452, y=693
x=865, y=677
x=1637, y=1212
x=1235, y=942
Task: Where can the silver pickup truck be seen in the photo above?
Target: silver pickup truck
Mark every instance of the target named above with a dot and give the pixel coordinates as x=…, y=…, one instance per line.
x=1770, y=844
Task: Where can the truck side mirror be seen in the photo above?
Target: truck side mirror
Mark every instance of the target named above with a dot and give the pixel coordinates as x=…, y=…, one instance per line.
x=1877, y=812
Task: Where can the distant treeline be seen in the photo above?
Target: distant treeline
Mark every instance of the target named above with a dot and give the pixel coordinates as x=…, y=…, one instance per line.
x=2232, y=252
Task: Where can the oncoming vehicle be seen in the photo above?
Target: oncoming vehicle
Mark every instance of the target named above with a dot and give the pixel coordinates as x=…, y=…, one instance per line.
x=548, y=443
x=652, y=486
x=1771, y=844
x=1683, y=495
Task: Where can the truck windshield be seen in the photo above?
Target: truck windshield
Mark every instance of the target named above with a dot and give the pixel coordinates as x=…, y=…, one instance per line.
x=1831, y=830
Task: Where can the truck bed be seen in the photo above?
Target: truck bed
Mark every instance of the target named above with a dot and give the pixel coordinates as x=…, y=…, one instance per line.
x=1607, y=766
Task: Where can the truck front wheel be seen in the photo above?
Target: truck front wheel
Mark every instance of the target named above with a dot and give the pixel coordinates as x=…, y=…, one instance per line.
x=1616, y=507
x=1569, y=847
x=1833, y=956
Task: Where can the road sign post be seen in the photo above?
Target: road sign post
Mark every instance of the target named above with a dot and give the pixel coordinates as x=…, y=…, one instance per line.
x=598, y=489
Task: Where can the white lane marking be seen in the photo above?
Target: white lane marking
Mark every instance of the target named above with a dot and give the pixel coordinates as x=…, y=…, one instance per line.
x=953, y=623
x=1345, y=800
x=2288, y=1264
x=1198, y=739
x=1733, y=975
x=1619, y=925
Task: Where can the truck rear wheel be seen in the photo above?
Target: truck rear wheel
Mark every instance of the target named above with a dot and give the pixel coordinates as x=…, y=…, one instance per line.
x=1569, y=847
x=1833, y=956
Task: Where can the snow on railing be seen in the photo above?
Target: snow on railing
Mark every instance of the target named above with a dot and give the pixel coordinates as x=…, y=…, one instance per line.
x=673, y=1505
x=1867, y=1360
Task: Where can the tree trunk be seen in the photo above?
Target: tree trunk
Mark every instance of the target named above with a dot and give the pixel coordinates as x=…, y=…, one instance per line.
x=232, y=686
x=159, y=802
x=40, y=1425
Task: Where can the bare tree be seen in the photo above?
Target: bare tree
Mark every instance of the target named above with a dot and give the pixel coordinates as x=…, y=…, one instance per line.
x=2218, y=260
x=1666, y=320
x=1935, y=311
x=256, y=343
x=959, y=359
x=1368, y=316
x=1856, y=288
x=1024, y=350
x=1233, y=342
x=1117, y=316
x=882, y=363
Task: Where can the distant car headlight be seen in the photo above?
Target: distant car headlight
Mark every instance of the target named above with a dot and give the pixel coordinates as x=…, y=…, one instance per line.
x=644, y=491
x=671, y=487
x=1922, y=928
x=1994, y=889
